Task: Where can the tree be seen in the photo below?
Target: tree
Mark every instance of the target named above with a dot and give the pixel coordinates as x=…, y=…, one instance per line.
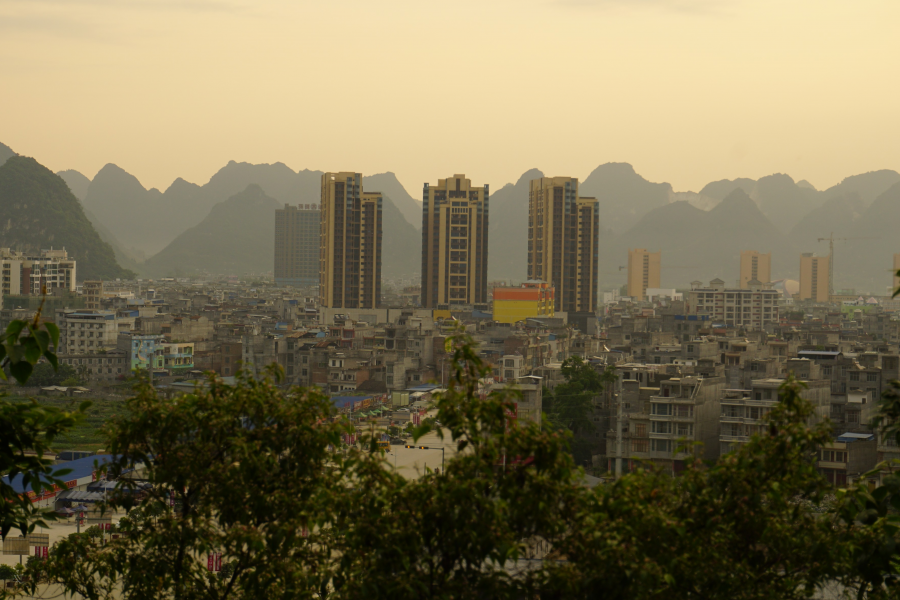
x=258, y=473
x=27, y=430
x=242, y=470
x=754, y=524
x=571, y=405
x=45, y=374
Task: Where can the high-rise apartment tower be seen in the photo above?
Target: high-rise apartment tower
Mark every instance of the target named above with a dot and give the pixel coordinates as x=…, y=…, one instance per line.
x=644, y=271
x=814, y=277
x=755, y=266
x=297, y=245
x=563, y=242
x=454, y=242
x=349, y=243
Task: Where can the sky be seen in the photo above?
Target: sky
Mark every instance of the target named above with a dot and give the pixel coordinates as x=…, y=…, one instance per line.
x=687, y=91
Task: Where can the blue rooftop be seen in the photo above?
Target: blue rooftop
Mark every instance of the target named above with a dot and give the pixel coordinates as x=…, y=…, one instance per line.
x=80, y=468
x=423, y=388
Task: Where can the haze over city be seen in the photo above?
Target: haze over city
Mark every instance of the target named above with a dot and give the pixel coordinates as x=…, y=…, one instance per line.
x=445, y=300
x=687, y=91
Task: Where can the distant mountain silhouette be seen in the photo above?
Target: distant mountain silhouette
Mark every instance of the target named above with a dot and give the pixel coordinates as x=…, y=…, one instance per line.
x=5, y=153
x=623, y=195
x=508, y=230
x=39, y=211
x=77, y=182
x=867, y=186
x=150, y=220
x=723, y=187
x=836, y=215
x=698, y=244
x=235, y=238
x=864, y=261
x=390, y=186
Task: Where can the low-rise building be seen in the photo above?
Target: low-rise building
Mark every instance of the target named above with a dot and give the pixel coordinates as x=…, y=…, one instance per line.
x=86, y=331
x=752, y=308
x=531, y=300
x=846, y=459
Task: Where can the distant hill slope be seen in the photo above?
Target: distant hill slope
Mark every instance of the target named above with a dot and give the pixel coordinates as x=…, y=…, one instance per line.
x=508, y=230
x=5, y=153
x=148, y=220
x=235, y=238
x=867, y=186
x=39, y=211
x=76, y=181
x=623, y=195
x=390, y=186
x=697, y=244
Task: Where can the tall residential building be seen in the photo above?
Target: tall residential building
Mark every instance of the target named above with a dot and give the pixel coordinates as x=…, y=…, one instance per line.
x=644, y=270
x=755, y=266
x=814, y=277
x=563, y=242
x=25, y=272
x=349, y=243
x=454, y=242
x=297, y=245
x=896, y=268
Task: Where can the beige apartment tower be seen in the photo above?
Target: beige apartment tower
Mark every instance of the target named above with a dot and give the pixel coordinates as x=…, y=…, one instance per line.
x=563, y=242
x=297, y=233
x=454, y=242
x=814, y=277
x=755, y=266
x=644, y=271
x=349, y=243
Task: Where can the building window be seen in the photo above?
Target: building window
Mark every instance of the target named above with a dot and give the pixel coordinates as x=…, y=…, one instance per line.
x=660, y=445
x=661, y=427
x=834, y=456
x=661, y=409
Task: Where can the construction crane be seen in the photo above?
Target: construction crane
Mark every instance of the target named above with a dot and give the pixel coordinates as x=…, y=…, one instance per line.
x=831, y=240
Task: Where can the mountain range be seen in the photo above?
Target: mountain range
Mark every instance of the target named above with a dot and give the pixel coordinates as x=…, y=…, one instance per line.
x=40, y=212
x=700, y=233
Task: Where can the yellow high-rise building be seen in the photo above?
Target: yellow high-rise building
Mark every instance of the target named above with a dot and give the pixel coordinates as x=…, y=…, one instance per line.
x=644, y=271
x=814, y=274
x=755, y=265
x=349, y=243
x=454, y=242
x=563, y=242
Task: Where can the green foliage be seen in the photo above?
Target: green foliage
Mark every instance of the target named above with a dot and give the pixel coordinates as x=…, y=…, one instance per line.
x=28, y=427
x=45, y=375
x=744, y=527
x=259, y=474
x=44, y=213
x=570, y=406
x=7, y=572
x=248, y=467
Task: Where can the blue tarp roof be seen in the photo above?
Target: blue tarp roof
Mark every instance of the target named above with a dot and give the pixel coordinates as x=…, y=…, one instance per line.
x=855, y=437
x=423, y=388
x=342, y=401
x=80, y=468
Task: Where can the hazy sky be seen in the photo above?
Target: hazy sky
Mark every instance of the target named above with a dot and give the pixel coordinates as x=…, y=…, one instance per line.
x=687, y=91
